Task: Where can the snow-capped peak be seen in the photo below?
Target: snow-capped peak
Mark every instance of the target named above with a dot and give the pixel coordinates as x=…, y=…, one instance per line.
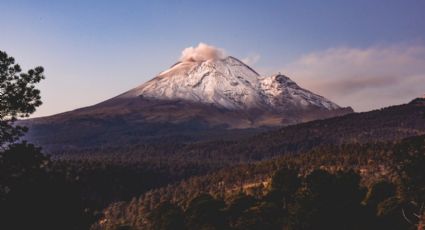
x=280, y=92
x=228, y=83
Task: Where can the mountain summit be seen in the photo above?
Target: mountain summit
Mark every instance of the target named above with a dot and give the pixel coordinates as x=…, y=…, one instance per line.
x=230, y=84
x=205, y=92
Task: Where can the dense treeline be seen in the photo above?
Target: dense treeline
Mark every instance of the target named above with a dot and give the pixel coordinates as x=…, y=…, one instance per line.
x=379, y=182
x=104, y=181
x=105, y=135
x=69, y=192
x=51, y=194
x=319, y=201
x=387, y=124
x=123, y=172
x=136, y=171
x=94, y=179
x=33, y=195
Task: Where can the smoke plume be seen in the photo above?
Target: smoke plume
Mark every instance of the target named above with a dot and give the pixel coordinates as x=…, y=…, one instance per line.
x=202, y=52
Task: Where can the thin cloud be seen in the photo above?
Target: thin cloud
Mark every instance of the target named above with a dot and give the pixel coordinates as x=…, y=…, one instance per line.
x=365, y=79
x=251, y=59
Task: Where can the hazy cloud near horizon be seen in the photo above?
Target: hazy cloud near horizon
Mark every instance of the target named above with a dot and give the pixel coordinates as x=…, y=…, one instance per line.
x=365, y=79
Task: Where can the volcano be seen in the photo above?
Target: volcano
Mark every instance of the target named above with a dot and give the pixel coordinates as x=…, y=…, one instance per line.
x=194, y=96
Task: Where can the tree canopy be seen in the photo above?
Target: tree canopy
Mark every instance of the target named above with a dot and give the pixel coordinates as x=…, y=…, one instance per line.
x=18, y=96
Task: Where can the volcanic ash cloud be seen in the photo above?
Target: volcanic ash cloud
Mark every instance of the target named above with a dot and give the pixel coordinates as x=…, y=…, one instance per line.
x=202, y=52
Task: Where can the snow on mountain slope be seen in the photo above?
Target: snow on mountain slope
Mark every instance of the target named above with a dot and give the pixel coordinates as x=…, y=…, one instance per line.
x=228, y=83
x=281, y=92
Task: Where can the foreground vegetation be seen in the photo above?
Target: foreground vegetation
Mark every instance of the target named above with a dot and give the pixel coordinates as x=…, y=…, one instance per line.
x=366, y=186
x=374, y=186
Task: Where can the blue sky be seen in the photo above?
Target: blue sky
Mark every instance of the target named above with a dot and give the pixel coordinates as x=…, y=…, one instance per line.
x=94, y=50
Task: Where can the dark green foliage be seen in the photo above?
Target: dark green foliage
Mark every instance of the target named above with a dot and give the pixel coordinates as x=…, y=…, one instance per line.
x=298, y=198
x=169, y=162
x=238, y=204
x=121, y=172
x=104, y=181
x=262, y=215
x=167, y=217
x=323, y=200
x=390, y=214
x=33, y=197
x=18, y=96
x=329, y=202
x=286, y=180
x=284, y=183
x=410, y=156
x=379, y=192
x=334, y=197
x=205, y=212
